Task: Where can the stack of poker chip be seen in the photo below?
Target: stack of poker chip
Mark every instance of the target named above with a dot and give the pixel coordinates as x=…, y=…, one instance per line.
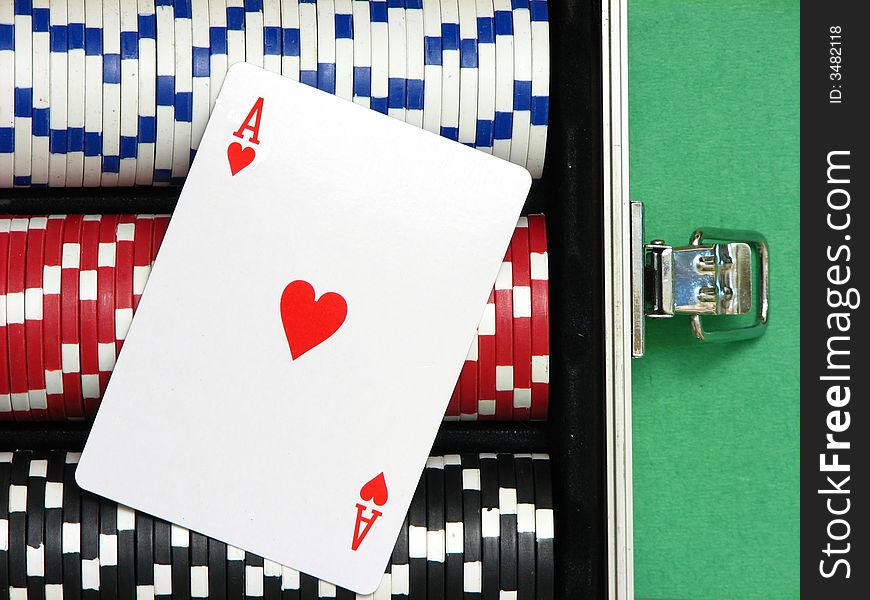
x=479, y=526
x=118, y=92
x=71, y=284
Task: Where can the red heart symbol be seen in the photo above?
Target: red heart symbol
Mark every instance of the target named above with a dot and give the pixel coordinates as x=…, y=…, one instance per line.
x=375, y=490
x=307, y=322
x=239, y=156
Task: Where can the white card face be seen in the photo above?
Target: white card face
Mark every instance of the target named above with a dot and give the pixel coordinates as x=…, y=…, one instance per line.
x=243, y=409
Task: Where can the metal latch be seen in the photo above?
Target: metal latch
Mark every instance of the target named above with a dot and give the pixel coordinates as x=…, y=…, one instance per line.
x=711, y=276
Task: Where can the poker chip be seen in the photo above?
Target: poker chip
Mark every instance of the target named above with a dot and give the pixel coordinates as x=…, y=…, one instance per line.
x=362, y=53
x=308, y=57
x=290, y=48
x=181, y=136
x=22, y=139
x=147, y=99
x=490, y=527
x=180, y=540
x=53, y=524
x=217, y=48
x=201, y=72
x=271, y=36
x=72, y=530
x=522, y=321
x=6, y=413
x=432, y=66
x=522, y=92
x=7, y=94
x=235, y=573
x=253, y=576
x=344, y=49
x=254, y=32
x=5, y=473
x=51, y=312
x=90, y=546
x=525, y=478
x=326, y=45
x=507, y=510
x=75, y=93
x=454, y=407
x=468, y=72
x=69, y=311
x=399, y=568
x=235, y=32
x=144, y=556
x=125, y=520
x=486, y=362
x=162, y=539
x=142, y=256
x=17, y=502
x=57, y=95
x=33, y=311
x=106, y=258
x=129, y=78
x=88, y=293
x=435, y=524
x=472, y=530
x=397, y=63
x=453, y=528
x=35, y=553
x=486, y=77
x=540, y=87
x=271, y=580
x=217, y=568
x=108, y=548
x=417, y=542
x=111, y=113
x=290, y=583
x=93, y=124
x=124, y=249
x=380, y=41
x=415, y=62
x=540, y=316
x=504, y=356
x=450, y=75
x=161, y=224
x=15, y=332
x=544, y=529
x=165, y=92
x=41, y=63
x=504, y=80
x=308, y=587
x=198, y=566
x=468, y=392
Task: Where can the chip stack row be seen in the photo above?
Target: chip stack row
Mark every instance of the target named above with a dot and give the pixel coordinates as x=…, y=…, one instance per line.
x=71, y=283
x=118, y=92
x=479, y=526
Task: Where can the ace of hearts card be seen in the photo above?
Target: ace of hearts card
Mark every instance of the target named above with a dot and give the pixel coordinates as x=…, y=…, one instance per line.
x=302, y=330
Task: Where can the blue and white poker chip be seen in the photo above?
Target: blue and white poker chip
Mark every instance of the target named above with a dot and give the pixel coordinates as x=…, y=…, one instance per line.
x=308, y=42
x=57, y=146
x=93, y=138
x=415, y=62
x=397, y=58
x=290, y=39
x=362, y=53
x=254, y=32
x=272, y=36
x=326, y=45
x=201, y=71
x=522, y=93
x=147, y=101
x=486, y=78
x=432, y=66
x=41, y=90
x=450, y=76
x=380, y=56
x=344, y=49
x=504, y=79
x=217, y=46
x=468, y=72
x=183, y=91
x=23, y=28
x=165, y=92
x=75, y=110
x=7, y=94
x=540, y=105
x=129, y=43
x=111, y=162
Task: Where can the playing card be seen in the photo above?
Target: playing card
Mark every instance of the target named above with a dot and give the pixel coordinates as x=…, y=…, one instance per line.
x=303, y=328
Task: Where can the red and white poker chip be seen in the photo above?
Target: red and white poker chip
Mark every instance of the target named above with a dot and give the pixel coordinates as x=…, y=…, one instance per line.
x=15, y=278
x=5, y=390
x=51, y=314
x=88, y=344
x=453, y=407
x=522, y=324
x=486, y=362
x=468, y=383
x=33, y=309
x=161, y=224
x=69, y=312
x=106, y=299
x=540, y=316
x=504, y=350
x=124, y=248
x=142, y=255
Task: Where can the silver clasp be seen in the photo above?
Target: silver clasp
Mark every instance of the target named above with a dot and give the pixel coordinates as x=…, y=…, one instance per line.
x=712, y=276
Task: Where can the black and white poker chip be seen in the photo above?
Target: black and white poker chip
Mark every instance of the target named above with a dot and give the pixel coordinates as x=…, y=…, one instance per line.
x=54, y=525
x=472, y=580
x=235, y=573
x=144, y=556
x=217, y=569
x=308, y=587
x=290, y=584
x=180, y=538
x=271, y=580
x=72, y=531
x=198, y=565
x=525, y=527
x=17, y=555
x=253, y=576
x=453, y=527
x=545, y=556
x=125, y=520
x=399, y=574
x=507, y=507
x=90, y=546
x=435, y=536
x=5, y=476
x=417, y=572
x=35, y=531
x=490, y=526
x=108, y=549
x=162, y=559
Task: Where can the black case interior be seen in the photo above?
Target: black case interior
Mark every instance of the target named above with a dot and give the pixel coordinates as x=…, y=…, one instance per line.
x=571, y=195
